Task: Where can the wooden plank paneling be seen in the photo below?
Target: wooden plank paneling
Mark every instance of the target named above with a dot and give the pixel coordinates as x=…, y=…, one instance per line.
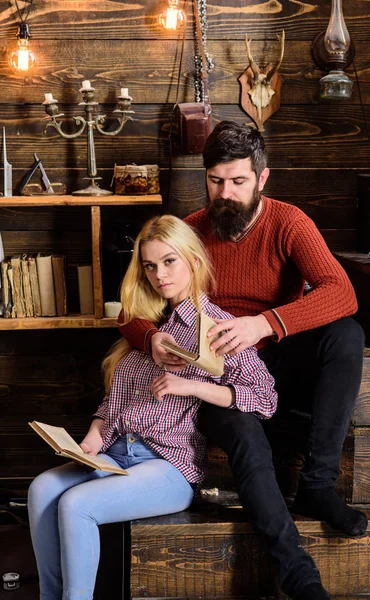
x=294, y=137
x=76, y=245
x=65, y=19
x=151, y=74
x=328, y=196
x=45, y=218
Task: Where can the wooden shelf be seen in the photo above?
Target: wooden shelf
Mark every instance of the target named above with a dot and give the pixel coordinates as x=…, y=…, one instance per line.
x=69, y=322
x=80, y=200
x=76, y=321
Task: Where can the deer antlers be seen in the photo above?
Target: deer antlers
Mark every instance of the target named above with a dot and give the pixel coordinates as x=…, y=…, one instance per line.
x=256, y=70
x=271, y=73
x=261, y=87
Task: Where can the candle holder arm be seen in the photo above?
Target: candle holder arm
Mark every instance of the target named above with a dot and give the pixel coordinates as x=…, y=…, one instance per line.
x=58, y=126
x=122, y=119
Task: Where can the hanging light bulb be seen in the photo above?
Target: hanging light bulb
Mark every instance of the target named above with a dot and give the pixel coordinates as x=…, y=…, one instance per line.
x=333, y=52
x=172, y=17
x=22, y=59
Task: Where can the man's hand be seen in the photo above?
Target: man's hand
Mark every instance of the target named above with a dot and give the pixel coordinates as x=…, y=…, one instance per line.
x=168, y=383
x=162, y=357
x=240, y=333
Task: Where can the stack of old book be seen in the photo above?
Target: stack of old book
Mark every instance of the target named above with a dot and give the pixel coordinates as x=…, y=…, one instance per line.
x=34, y=285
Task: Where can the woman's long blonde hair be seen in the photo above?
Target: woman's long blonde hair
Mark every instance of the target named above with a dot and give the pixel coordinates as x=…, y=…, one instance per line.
x=139, y=299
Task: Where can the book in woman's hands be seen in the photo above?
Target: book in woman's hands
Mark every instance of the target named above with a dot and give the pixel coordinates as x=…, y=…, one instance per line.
x=64, y=445
x=205, y=358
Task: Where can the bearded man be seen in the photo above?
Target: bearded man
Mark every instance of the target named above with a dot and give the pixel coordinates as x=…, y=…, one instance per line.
x=263, y=252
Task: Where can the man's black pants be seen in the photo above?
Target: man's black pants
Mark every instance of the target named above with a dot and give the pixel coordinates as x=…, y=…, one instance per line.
x=319, y=372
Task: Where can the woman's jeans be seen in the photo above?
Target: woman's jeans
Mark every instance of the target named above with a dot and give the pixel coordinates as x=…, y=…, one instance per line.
x=66, y=505
x=317, y=371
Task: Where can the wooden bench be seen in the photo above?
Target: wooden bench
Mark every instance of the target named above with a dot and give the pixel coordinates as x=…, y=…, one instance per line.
x=211, y=551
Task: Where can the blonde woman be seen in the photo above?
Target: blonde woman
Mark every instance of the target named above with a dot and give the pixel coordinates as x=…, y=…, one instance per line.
x=147, y=421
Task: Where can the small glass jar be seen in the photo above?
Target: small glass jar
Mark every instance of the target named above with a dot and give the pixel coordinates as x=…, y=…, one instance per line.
x=131, y=180
x=153, y=179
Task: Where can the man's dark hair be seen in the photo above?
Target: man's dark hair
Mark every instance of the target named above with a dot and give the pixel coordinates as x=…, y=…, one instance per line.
x=230, y=141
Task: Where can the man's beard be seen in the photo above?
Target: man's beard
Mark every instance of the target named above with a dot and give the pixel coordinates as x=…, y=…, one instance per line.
x=229, y=219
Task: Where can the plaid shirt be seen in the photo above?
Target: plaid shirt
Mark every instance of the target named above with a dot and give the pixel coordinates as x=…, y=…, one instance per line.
x=170, y=426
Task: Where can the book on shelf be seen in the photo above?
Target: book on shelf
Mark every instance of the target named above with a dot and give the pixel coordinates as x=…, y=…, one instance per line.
x=35, y=290
x=204, y=358
x=7, y=288
x=64, y=445
x=27, y=292
x=11, y=291
x=58, y=262
x=18, y=293
x=85, y=289
x=46, y=285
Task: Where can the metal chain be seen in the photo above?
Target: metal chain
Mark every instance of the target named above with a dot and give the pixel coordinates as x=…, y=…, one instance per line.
x=198, y=82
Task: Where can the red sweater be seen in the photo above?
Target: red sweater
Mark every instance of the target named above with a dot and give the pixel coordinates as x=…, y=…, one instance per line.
x=265, y=271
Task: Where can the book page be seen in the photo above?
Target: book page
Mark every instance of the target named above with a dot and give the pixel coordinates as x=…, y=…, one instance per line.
x=57, y=437
x=205, y=359
x=18, y=295
x=215, y=364
x=95, y=462
x=64, y=445
x=175, y=349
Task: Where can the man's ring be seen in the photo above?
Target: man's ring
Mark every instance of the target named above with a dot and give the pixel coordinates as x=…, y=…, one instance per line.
x=164, y=367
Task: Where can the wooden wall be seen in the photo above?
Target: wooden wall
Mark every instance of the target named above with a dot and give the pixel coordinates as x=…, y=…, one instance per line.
x=315, y=150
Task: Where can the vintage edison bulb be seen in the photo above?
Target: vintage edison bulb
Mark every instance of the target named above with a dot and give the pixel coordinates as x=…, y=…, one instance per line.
x=22, y=59
x=172, y=17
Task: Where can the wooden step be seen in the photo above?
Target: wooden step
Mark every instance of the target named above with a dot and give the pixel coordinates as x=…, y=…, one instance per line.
x=210, y=551
x=276, y=597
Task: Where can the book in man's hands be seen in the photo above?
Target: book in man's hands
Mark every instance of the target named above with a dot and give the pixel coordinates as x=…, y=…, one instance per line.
x=205, y=358
x=64, y=445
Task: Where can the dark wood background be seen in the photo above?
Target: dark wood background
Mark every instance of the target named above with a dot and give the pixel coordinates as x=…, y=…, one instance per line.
x=315, y=151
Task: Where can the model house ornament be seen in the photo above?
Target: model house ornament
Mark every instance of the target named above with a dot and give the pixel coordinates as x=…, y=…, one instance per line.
x=260, y=95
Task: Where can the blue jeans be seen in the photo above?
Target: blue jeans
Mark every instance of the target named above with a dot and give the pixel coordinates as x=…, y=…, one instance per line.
x=66, y=505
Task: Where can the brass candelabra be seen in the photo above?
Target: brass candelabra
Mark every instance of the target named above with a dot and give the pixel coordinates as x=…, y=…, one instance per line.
x=91, y=122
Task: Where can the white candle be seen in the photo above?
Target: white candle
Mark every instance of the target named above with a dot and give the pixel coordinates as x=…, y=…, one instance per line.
x=112, y=309
x=49, y=98
x=124, y=92
x=86, y=85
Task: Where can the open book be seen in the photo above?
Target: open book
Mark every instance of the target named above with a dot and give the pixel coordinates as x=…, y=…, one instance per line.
x=205, y=358
x=64, y=445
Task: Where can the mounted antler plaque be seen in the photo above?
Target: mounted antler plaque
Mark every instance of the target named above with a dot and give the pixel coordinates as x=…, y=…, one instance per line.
x=260, y=96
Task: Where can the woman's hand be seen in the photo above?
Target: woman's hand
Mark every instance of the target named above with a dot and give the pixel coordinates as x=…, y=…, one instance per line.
x=162, y=357
x=87, y=449
x=168, y=383
x=93, y=442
